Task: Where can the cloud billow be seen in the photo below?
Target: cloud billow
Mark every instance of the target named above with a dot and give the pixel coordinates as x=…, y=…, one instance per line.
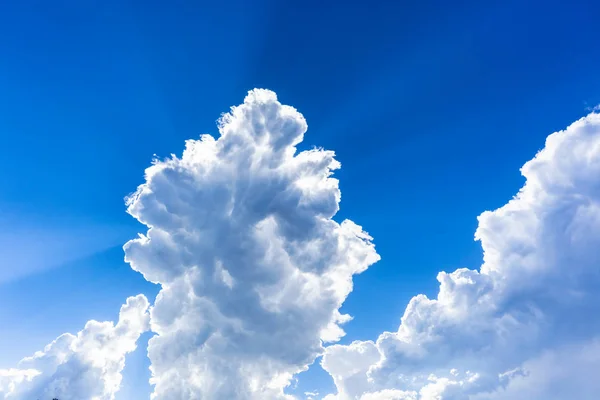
x=83, y=366
x=525, y=325
x=253, y=271
x=252, y=267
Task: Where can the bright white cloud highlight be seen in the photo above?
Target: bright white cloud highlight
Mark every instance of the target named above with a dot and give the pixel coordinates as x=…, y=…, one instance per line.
x=86, y=366
x=526, y=325
x=253, y=269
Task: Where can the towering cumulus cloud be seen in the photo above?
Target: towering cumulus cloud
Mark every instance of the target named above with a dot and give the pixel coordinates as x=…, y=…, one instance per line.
x=526, y=325
x=251, y=265
x=79, y=367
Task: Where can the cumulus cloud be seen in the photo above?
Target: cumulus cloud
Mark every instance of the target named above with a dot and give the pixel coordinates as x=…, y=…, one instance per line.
x=252, y=267
x=526, y=325
x=85, y=366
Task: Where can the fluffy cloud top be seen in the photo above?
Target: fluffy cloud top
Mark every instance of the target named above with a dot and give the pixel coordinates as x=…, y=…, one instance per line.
x=526, y=325
x=251, y=265
x=253, y=271
x=85, y=366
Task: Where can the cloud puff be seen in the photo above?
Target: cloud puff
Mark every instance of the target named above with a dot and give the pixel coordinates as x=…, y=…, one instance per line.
x=525, y=325
x=80, y=367
x=251, y=265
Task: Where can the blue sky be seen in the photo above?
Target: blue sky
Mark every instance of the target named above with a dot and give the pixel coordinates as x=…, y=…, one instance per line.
x=431, y=107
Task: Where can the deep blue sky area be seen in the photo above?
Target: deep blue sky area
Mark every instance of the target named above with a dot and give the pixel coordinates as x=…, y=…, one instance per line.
x=431, y=107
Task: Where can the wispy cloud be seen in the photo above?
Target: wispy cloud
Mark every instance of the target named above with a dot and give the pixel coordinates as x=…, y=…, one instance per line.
x=30, y=246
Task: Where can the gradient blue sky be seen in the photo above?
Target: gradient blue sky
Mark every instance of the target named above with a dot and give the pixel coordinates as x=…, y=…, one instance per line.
x=431, y=107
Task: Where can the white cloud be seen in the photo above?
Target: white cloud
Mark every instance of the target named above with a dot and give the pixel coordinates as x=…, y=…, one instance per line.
x=85, y=366
x=252, y=267
x=567, y=372
x=524, y=326
x=311, y=395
